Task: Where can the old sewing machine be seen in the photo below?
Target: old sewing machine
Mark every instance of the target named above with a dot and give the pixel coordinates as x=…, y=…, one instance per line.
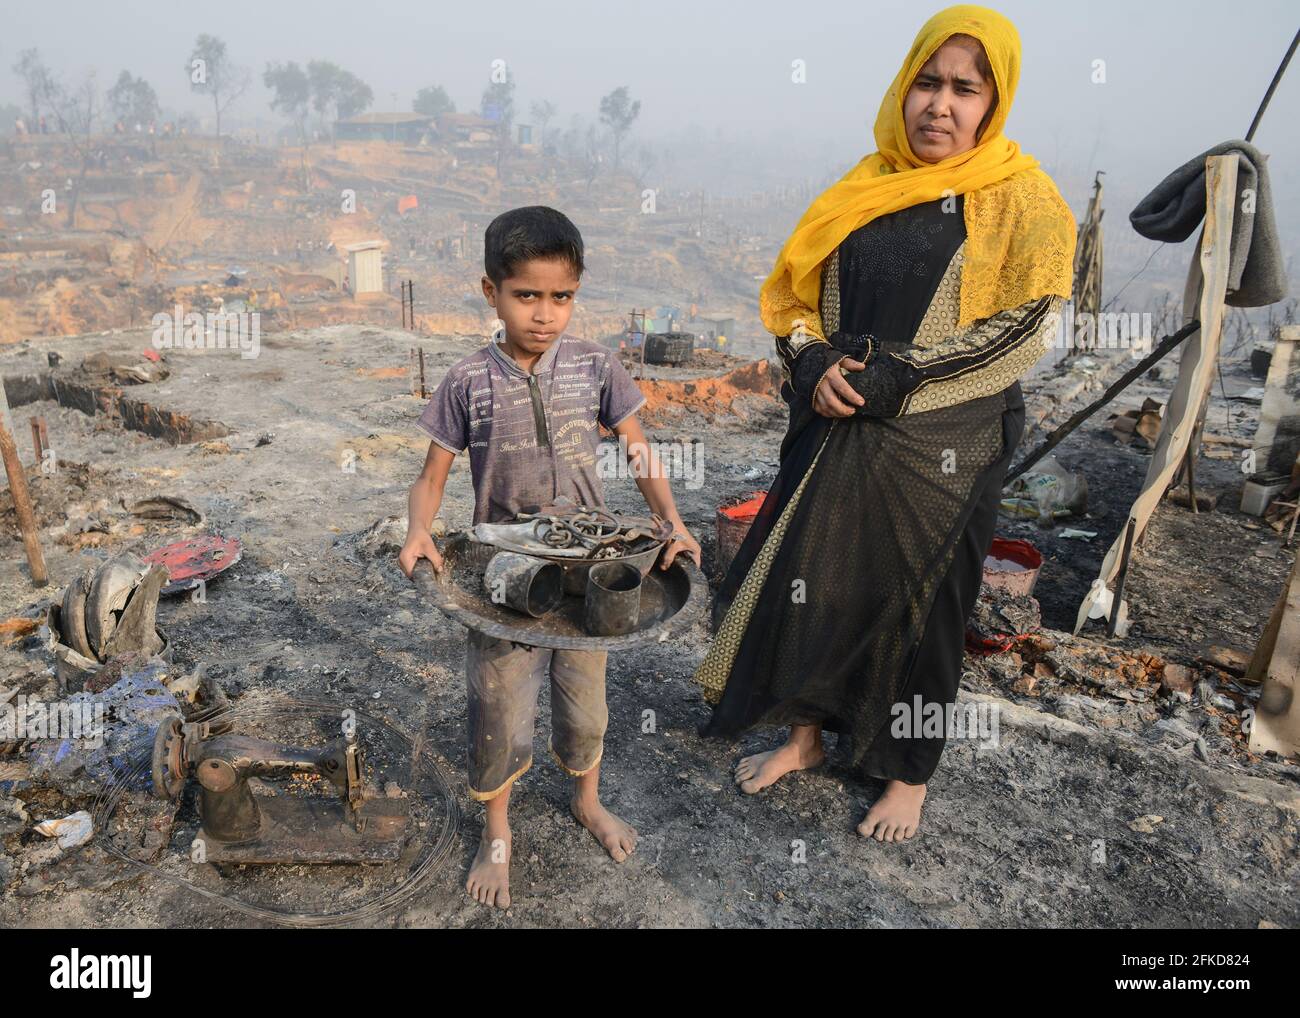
x=358, y=824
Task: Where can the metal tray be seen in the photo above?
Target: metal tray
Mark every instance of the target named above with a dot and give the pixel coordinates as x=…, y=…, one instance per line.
x=672, y=600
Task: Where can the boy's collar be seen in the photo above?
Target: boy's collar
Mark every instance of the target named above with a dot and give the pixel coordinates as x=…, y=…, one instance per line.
x=544, y=362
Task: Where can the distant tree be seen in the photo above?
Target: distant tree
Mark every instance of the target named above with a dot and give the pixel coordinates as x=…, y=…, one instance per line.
x=498, y=103
x=133, y=100
x=292, y=98
x=38, y=82
x=643, y=161
x=74, y=111
x=570, y=143
x=617, y=112
x=543, y=112
x=593, y=155
x=10, y=113
x=211, y=72
x=335, y=93
x=433, y=102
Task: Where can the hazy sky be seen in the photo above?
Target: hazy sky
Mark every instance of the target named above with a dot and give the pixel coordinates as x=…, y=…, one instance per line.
x=1181, y=76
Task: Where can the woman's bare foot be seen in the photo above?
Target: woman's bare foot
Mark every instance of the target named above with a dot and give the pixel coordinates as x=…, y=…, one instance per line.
x=896, y=815
x=803, y=750
x=617, y=838
x=489, y=873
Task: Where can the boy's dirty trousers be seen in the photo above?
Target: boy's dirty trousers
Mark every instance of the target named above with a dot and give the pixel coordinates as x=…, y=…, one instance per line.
x=503, y=680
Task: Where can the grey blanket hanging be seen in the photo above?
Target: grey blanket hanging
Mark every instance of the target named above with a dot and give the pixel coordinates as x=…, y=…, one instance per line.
x=1256, y=269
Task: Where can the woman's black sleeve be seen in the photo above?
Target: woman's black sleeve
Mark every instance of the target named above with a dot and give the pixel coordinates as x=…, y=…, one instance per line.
x=978, y=360
x=806, y=365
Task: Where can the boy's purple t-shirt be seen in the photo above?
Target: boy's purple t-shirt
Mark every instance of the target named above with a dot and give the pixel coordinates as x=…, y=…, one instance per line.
x=485, y=403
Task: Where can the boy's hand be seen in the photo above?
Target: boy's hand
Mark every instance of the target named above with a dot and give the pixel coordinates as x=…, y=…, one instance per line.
x=417, y=547
x=682, y=543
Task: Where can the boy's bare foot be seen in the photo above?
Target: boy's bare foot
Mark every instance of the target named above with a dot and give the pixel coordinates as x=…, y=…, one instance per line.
x=802, y=751
x=489, y=873
x=896, y=815
x=617, y=837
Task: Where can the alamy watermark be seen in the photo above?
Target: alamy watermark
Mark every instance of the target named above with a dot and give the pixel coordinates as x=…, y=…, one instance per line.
x=215, y=330
x=935, y=720
x=75, y=971
x=1106, y=330
x=675, y=460
x=79, y=720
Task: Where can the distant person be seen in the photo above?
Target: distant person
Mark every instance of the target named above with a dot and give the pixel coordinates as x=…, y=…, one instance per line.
x=505, y=405
x=911, y=297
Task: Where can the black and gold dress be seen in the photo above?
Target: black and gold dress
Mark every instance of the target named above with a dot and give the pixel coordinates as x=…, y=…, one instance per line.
x=850, y=593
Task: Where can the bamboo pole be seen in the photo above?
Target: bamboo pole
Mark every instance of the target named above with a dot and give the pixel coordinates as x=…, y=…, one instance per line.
x=22, y=499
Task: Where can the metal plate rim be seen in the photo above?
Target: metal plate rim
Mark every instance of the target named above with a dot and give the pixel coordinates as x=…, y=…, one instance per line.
x=440, y=593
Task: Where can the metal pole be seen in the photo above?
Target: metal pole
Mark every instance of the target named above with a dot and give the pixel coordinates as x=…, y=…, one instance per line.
x=1281, y=70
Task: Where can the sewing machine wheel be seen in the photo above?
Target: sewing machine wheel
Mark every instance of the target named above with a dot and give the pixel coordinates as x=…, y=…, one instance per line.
x=168, y=760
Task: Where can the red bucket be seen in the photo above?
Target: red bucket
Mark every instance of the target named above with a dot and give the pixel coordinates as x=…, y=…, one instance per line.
x=733, y=522
x=1012, y=565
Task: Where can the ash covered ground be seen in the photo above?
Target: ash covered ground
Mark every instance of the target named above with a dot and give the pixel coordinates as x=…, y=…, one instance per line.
x=1107, y=802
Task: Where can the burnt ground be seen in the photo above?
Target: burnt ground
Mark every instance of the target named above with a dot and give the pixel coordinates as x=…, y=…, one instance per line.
x=1041, y=830
x=1194, y=569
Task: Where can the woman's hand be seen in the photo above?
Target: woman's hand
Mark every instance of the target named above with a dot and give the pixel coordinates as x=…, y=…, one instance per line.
x=834, y=396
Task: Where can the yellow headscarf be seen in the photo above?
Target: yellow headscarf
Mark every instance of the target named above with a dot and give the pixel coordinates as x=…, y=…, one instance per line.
x=1020, y=233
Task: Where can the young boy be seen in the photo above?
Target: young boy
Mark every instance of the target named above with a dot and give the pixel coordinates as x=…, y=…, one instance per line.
x=528, y=411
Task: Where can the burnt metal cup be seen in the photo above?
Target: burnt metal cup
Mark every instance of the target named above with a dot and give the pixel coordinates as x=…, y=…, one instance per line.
x=529, y=585
x=613, y=602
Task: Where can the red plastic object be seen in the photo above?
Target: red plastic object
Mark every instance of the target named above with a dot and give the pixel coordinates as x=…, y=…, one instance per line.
x=982, y=647
x=1020, y=581
x=746, y=510
x=733, y=523
x=197, y=560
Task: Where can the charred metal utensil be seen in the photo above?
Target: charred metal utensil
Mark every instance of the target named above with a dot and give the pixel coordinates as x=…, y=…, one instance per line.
x=136, y=629
x=72, y=619
x=530, y=585
x=109, y=591
x=613, y=602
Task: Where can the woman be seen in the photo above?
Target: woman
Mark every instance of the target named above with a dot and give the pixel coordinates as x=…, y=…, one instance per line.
x=906, y=304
